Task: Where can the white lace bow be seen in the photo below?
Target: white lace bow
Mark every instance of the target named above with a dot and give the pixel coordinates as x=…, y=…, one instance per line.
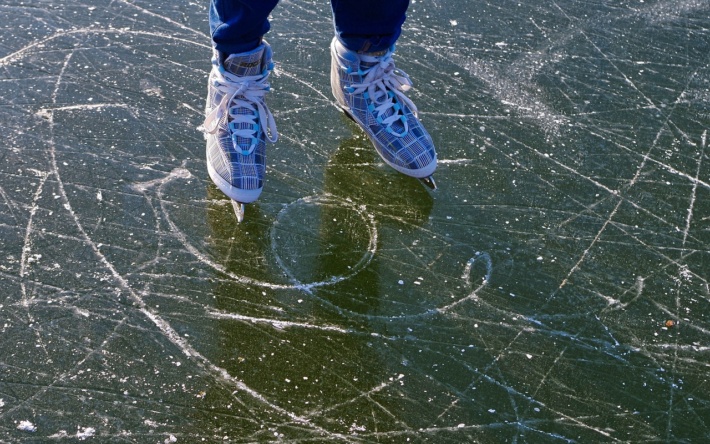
x=241, y=93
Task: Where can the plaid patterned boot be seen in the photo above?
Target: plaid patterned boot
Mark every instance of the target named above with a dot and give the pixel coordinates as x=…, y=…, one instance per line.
x=238, y=124
x=371, y=90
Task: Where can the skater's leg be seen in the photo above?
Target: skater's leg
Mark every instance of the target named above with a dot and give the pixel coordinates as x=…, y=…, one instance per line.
x=237, y=26
x=368, y=25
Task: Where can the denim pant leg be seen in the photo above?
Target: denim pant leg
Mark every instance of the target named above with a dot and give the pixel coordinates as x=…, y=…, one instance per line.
x=237, y=26
x=368, y=25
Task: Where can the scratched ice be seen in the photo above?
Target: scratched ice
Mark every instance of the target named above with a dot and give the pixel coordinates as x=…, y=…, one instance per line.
x=554, y=289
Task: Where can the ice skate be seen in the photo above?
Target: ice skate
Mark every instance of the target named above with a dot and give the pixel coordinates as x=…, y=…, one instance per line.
x=238, y=124
x=371, y=90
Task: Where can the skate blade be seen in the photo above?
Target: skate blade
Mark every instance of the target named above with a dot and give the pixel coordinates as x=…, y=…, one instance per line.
x=238, y=210
x=429, y=182
x=348, y=115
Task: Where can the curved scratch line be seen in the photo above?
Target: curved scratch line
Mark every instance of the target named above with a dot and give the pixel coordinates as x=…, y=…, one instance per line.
x=467, y=269
x=467, y=278
x=364, y=261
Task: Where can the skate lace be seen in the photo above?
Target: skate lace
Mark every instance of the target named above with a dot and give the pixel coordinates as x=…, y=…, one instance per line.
x=384, y=86
x=243, y=102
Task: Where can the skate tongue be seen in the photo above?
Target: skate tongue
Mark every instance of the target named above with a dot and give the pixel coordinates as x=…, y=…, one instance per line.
x=244, y=65
x=369, y=60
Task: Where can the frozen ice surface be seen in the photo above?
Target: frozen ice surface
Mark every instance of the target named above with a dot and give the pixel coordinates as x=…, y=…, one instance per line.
x=554, y=289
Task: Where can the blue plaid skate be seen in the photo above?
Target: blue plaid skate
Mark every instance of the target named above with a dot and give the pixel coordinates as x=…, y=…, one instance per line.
x=238, y=123
x=371, y=90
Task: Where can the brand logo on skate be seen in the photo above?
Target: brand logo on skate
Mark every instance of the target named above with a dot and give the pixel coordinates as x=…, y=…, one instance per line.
x=249, y=64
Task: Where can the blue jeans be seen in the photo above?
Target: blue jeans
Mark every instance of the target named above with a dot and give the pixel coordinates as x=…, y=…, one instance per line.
x=361, y=25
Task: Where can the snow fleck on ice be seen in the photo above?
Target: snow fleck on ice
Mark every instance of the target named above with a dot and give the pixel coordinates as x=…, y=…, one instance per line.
x=26, y=426
x=85, y=432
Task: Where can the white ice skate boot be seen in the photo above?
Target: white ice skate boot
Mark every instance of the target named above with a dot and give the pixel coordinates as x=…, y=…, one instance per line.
x=371, y=90
x=238, y=124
